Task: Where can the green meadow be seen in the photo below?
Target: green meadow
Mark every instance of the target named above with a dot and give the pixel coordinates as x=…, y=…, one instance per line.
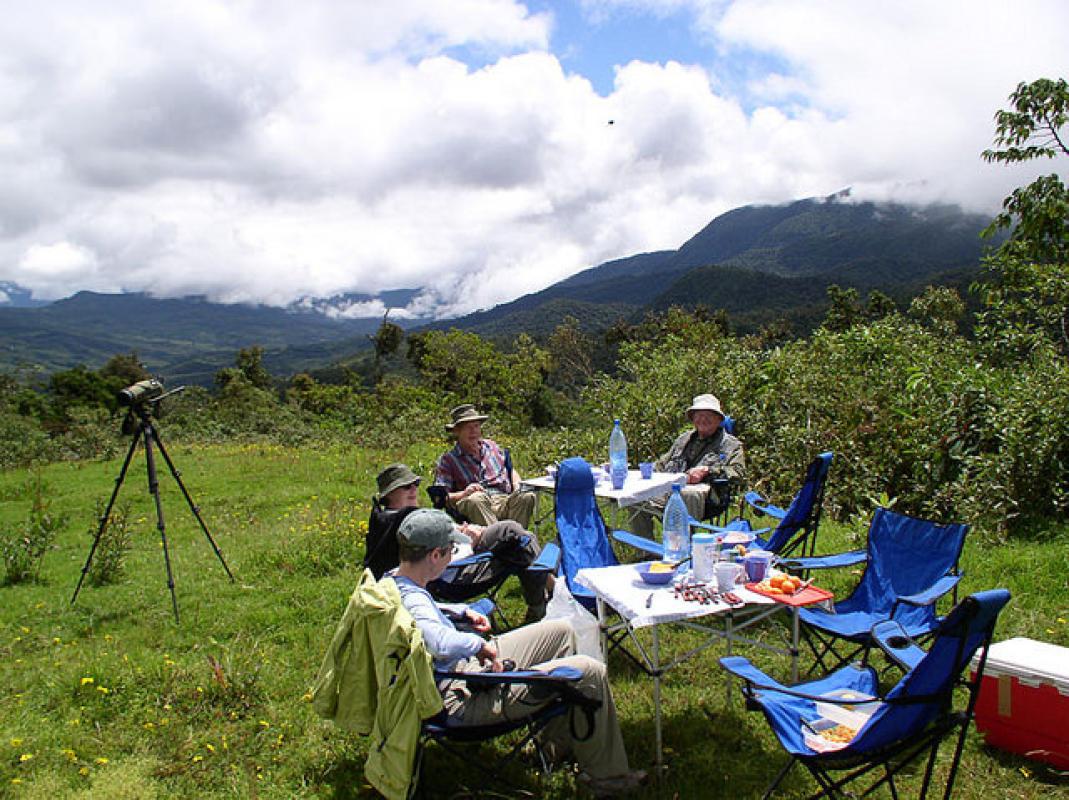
x=110, y=698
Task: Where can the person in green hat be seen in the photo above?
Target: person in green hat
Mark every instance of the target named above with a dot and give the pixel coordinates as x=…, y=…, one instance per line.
x=426, y=540
x=511, y=546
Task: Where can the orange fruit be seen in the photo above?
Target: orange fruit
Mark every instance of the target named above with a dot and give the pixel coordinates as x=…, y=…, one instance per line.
x=777, y=581
x=788, y=585
x=775, y=590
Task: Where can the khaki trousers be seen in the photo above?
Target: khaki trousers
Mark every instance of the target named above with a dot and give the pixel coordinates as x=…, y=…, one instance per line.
x=694, y=497
x=484, y=508
x=544, y=645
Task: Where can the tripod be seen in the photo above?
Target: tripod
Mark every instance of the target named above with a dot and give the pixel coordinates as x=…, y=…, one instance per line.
x=147, y=432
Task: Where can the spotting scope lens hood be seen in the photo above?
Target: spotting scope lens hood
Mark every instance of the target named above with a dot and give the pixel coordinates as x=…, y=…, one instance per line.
x=140, y=392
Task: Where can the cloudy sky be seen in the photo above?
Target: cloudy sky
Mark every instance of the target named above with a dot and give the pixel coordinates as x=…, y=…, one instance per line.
x=268, y=150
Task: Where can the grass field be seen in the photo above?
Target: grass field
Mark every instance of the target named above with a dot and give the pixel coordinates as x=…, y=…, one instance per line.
x=110, y=698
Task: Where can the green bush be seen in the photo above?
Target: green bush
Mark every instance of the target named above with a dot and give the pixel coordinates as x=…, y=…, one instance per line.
x=24, y=546
x=109, y=558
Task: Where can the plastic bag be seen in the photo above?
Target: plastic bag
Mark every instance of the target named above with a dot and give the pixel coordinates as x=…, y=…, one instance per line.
x=587, y=633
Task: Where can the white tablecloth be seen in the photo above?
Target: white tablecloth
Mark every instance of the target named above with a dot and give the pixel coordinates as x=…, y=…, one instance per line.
x=623, y=588
x=636, y=489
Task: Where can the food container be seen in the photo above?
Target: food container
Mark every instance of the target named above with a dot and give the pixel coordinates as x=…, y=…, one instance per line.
x=1024, y=699
x=656, y=572
x=703, y=553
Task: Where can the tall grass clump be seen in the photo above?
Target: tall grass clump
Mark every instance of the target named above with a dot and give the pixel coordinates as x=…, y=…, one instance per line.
x=23, y=544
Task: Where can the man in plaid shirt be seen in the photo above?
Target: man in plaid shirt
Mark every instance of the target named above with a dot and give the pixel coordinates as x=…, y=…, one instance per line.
x=477, y=475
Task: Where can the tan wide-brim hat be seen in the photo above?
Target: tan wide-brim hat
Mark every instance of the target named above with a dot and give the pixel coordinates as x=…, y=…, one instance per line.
x=464, y=413
x=705, y=402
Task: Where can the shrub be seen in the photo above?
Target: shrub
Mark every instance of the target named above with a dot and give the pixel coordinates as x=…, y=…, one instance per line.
x=109, y=558
x=24, y=547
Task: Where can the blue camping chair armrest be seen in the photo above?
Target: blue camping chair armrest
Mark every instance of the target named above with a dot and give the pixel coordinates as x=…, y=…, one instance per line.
x=638, y=542
x=455, y=566
x=725, y=528
x=762, y=506
x=847, y=559
x=474, y=558
x=561, y=676
x=455, y=612
x=896, y=644
x=548, y=560
x=756, y=679
x=930, y=595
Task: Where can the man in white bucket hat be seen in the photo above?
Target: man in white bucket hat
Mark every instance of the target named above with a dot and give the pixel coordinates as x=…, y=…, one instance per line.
x=707, y=453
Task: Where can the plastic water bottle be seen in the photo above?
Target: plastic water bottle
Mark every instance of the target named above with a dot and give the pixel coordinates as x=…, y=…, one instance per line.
x=676, y=530
x=617, y=455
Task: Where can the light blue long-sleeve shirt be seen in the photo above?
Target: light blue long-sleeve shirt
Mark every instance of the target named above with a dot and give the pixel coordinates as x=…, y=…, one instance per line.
x=446, y=644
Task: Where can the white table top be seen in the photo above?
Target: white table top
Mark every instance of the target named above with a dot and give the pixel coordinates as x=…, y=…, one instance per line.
x=636, y=489
x=623, y=589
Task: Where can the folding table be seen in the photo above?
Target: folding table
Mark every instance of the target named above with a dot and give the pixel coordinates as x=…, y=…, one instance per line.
x=636, y=490
x=641, y=605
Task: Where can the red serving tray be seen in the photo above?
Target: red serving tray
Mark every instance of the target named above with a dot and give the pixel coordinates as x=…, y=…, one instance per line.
x=809, y=595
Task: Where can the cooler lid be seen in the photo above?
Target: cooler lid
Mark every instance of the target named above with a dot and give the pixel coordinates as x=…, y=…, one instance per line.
x=1031, y=662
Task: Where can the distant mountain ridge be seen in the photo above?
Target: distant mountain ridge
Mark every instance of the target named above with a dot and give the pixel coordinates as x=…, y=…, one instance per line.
x=758, y=263
x=186, y=339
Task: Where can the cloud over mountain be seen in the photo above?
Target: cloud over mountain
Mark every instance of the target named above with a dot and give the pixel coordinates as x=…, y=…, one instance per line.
x=267, y=151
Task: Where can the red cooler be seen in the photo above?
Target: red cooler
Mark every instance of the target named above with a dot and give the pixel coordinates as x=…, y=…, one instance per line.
x=1024, y=700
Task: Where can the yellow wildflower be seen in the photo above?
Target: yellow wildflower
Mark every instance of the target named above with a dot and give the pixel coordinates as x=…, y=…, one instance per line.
x=103, y=689
x=87, y=680
x=26, y=757
x=102, y=760
x=16, y=742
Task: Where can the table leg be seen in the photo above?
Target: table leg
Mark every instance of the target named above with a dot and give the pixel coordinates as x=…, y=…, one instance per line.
x=657, y=698
x=603, y=634
x=794, y=643
x=728, y=635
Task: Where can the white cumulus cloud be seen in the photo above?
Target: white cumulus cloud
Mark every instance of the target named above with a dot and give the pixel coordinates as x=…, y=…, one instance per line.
x=268, y=151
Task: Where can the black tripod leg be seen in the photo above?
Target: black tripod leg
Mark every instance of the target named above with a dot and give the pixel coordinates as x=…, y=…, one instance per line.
x=192, y=506
x=154, y=489
x=104, y=519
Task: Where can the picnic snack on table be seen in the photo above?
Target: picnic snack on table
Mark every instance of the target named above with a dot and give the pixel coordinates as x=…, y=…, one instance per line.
x=780, y=583
x=840, y=734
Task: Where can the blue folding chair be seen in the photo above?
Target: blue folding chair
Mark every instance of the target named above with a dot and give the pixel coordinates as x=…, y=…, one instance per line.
x=910, y=719
x=910, y=564
x=581, y=529
x=796, y=529
x=557, y=687
x=377, y=654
